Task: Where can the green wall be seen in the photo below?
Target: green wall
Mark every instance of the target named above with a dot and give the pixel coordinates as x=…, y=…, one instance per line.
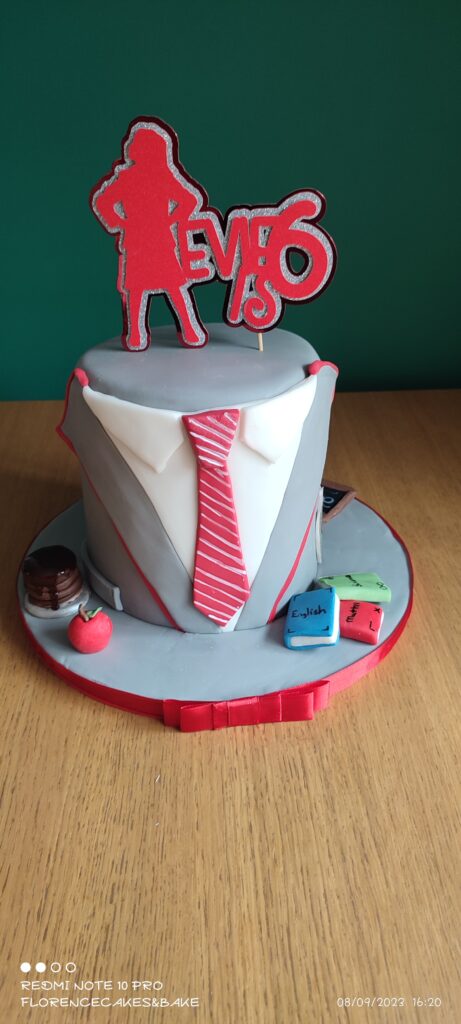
x=355, y=98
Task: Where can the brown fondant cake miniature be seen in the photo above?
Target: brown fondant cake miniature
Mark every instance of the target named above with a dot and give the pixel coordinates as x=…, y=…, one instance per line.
x=53, y=581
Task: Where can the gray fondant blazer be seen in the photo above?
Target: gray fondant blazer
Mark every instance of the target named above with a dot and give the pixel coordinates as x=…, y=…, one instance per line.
x=129, y=546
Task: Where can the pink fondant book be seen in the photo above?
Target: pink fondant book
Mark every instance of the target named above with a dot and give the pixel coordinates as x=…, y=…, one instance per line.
x=360, y=620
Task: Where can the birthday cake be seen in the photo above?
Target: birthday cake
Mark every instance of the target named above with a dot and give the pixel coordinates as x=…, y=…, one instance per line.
x=202, y=450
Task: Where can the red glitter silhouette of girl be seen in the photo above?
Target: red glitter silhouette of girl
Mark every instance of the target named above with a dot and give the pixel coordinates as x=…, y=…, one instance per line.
x=149, y=203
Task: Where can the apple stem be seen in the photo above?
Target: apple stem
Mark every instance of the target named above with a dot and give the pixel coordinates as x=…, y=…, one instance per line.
x=83, y=614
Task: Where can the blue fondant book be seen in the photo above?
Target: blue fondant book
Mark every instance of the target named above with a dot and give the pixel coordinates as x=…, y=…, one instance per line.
x=312, y=619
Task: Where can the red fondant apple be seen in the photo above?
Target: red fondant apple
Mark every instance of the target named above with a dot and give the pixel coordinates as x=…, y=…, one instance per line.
x=90, y=631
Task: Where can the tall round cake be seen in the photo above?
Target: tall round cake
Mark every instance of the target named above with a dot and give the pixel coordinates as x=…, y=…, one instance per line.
x=202, y=450
x=201, y=474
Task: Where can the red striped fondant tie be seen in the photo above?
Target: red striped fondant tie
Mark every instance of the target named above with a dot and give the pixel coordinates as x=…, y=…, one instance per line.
x=221, y=585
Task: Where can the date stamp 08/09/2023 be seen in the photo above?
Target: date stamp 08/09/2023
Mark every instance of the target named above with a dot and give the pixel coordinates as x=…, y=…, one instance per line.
x=388, y=1002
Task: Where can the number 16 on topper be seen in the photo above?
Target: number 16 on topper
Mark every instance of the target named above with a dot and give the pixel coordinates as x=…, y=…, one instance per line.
x=169, y=239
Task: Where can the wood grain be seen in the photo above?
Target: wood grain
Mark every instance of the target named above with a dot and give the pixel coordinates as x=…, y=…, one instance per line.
x=266, y=871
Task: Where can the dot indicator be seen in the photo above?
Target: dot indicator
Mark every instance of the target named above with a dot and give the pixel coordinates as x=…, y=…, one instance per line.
x=25, y=967
x=40, y=967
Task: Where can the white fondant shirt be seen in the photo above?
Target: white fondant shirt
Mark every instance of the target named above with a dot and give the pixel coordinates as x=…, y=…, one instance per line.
x=155, y=444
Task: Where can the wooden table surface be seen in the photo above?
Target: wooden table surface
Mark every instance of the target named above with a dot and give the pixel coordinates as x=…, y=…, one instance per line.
x=271, y=871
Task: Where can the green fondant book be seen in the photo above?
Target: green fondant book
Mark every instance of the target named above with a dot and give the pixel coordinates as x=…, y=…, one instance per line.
x=358, y=586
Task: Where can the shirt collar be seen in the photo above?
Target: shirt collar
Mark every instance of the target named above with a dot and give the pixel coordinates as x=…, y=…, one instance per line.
x=153, y=435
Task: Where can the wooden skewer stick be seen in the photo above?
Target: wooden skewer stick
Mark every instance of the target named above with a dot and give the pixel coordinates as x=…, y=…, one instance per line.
x=260, y=342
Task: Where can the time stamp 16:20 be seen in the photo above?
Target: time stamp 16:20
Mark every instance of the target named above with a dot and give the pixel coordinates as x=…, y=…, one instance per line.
x=388, y=1002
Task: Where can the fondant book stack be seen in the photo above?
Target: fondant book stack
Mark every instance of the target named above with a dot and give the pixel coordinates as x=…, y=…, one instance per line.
x=312, y=619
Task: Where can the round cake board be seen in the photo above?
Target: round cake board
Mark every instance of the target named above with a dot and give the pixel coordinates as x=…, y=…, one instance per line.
x=203, y=681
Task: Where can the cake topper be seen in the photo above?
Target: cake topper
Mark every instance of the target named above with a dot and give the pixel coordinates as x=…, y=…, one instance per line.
x=170, y=239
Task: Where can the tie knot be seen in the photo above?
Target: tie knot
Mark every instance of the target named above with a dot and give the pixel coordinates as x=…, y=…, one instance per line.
x=211, y=434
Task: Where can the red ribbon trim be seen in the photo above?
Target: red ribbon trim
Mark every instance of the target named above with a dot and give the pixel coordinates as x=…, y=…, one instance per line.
x=297, y=704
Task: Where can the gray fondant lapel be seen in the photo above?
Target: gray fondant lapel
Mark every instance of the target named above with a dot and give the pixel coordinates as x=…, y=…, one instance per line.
x=298, y=504
x=135, y=520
